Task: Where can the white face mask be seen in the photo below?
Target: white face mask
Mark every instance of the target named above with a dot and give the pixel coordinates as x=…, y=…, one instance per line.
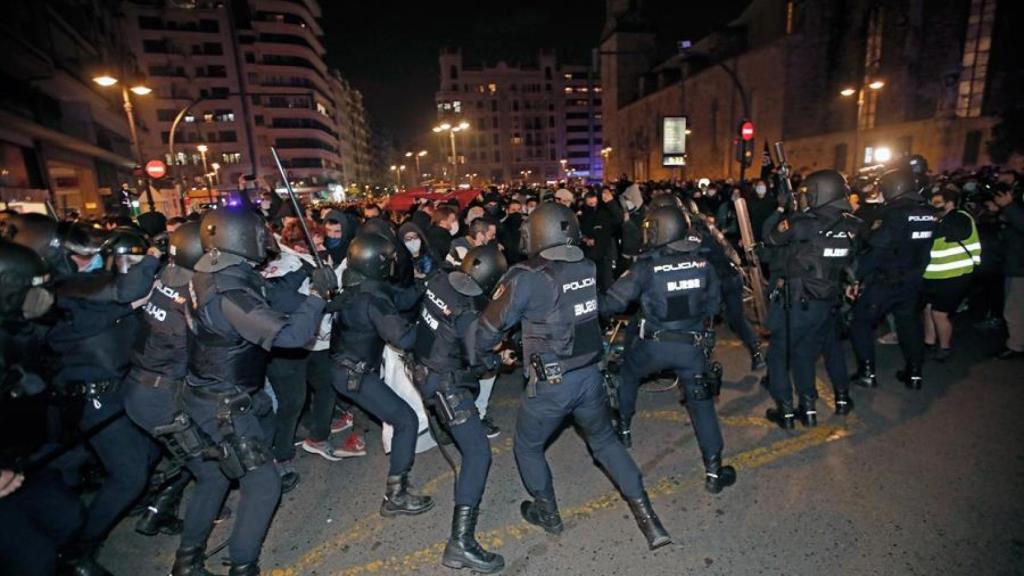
x=760, y=190
x=413, y=246
x=454, y=230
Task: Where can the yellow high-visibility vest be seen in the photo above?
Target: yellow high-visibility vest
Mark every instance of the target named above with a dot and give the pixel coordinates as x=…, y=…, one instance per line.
x=954, y=259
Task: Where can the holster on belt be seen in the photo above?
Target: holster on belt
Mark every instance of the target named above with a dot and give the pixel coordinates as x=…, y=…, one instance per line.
x=447, y=398
x=237, y=455
x=355, y=372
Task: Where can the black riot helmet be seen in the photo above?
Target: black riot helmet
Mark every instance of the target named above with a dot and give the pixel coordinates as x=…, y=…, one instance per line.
x=35, y=231
x=80, y=238
x=896, y=183
x=480, y=271
x=554, y=232
x=370, y=256
x=663, y=225
x=238, y=231
x=665, y=200
x=185, y=246
x=124, y=248
x=823, y=188
x=23, y=279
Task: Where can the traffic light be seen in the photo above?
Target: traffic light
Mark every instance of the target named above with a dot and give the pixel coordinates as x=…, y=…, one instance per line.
x=746, y=130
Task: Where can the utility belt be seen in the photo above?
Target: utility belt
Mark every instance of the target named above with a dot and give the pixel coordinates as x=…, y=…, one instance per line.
x=448, y=396
x=355, y=368
x=235, y=454
x=551, y=372
x=81, y=388
x=155, y=380
x=704, y=338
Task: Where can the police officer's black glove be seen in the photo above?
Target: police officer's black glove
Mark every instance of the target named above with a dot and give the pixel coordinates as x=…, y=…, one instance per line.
x=323, y=282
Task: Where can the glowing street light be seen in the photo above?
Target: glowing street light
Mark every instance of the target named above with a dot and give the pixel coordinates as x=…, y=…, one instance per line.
x=446, y=127
x=139, y=89
x=874, y=85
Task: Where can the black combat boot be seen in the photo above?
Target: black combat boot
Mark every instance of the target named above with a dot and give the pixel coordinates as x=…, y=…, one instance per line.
x=716, y=476
x=79, y=559
x=757, y=361
x=543, y=513
x=648, y=521
x=782, y=415
x=463, y=551
x=865, y=375
x=398, y=500
x=806, y=412
x=161, y=515
x=911, y=376
x=844, y=404
x=247, y=569
x=625, y=432
x=190, y=562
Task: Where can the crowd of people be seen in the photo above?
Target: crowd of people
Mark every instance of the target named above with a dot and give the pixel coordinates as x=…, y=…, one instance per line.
x=207, y=349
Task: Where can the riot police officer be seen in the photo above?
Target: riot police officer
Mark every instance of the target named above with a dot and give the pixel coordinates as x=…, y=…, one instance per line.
x=679, y=296
x=723, y=257
x=814, y=249
x=96, y=324
x=231, y=329
x=159, y=362
x=443, y=375
x=553, y=295
x=365, y=318
x=42, y=514
x=891, y=272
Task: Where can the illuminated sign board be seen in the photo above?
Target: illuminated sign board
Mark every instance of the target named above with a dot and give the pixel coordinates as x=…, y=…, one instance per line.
x=673, y=141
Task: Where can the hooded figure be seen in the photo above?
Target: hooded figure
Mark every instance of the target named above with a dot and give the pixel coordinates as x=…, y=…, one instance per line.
x=337, y=247
x=414, y=240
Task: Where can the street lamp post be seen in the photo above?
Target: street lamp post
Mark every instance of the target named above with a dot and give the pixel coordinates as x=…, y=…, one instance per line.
x=563, y=162
x=605, y=153
x=848, y=92
x=139, y=89
x=446, y=127
x=216, y=172
x=398, y=175
x=202, y=148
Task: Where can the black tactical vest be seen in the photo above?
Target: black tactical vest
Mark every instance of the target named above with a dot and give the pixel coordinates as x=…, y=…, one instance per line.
x=353, y=335
x=676, y=298
x=163, y=346
x=570, y=331
x=818, y=259
x=437, y=343
x=217, y=356
x=913, y=224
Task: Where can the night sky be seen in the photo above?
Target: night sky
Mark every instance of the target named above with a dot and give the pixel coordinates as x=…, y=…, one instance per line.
x=389, y=49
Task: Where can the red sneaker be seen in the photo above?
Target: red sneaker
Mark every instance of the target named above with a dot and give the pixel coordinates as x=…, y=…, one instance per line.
x=342, y=422
x=354, y=445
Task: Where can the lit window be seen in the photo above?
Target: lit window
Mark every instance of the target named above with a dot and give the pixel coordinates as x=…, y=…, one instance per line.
x=568, y=89
x=189, y=118
x=974, y=66
x=789, y=17
x=492, y=87
x=208, y=117
x=457, y=107
x=321, y=108
x=568, y=76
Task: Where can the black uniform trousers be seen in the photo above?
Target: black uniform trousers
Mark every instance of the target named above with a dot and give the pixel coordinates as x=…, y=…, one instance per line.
x=903, y=300
x=380, y=401
x=735, y=316
x=127, y=454
x=286, y=372
x=646, y=357
x=472, y=442
x=321, y=407
x=580, y=394
x=260, y=488
x=811, y=328
x=37, y=520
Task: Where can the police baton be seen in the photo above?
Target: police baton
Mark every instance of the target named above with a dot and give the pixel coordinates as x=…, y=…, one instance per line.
x=298, y=210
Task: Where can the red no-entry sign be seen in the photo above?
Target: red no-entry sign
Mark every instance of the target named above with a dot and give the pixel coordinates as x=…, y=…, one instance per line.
x=156, y=169
x=747, y=130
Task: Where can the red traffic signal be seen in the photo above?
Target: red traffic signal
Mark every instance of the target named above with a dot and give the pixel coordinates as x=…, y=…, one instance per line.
x=747, y=130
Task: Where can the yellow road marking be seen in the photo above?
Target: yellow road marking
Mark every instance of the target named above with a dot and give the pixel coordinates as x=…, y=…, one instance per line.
x=664, y=486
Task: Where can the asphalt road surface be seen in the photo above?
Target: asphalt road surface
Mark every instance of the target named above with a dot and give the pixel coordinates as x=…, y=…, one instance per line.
x=927, y=483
